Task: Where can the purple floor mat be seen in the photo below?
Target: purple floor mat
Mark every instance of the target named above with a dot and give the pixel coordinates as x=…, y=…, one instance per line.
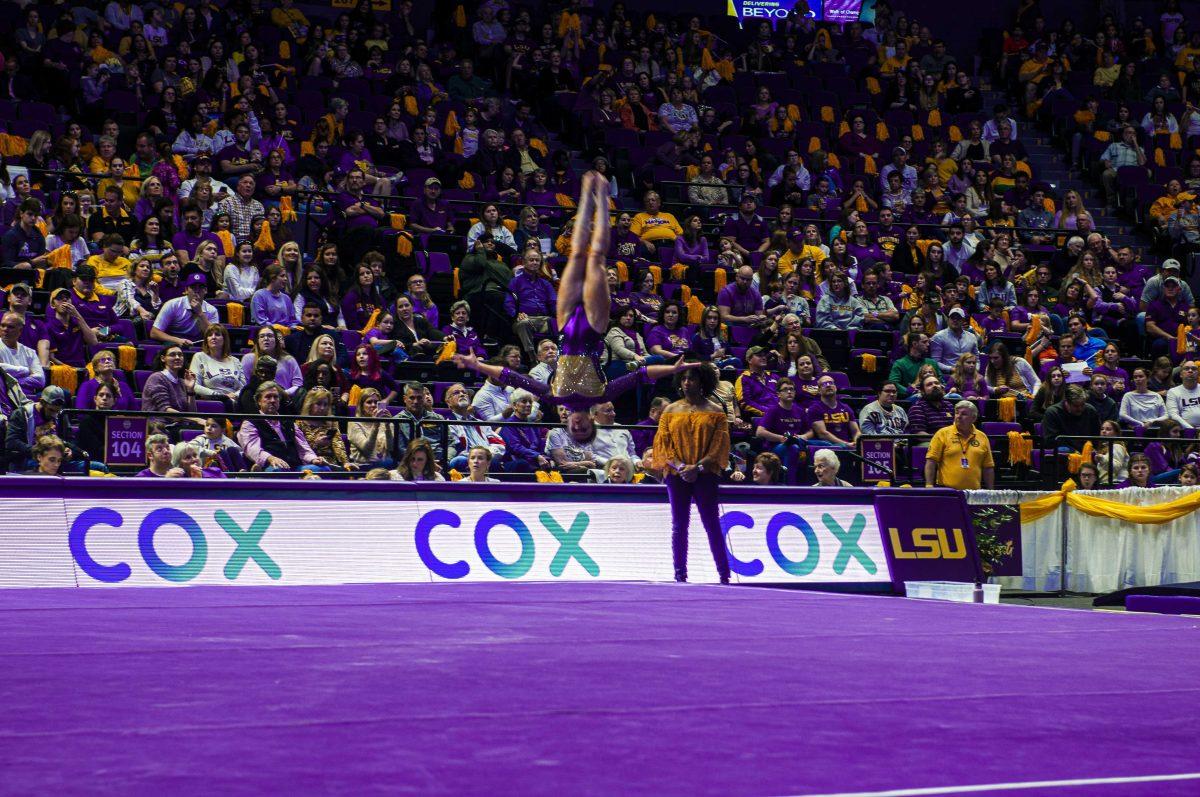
x=571, y=688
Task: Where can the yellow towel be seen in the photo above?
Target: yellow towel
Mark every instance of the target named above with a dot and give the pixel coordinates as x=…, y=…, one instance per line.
x=1020, y=448
x=371, y=322
x=549, y=477
x=1006, y=408
x=869, y=362
x=720, y=279
x=60, y=257
x=449, y=349
x=226, y=242
x=127, y=357
x=1181, y=333
x=657, y=272
x=236, y=313
x=404, y=245
x=264, y=242
x=287, y=208
x=622, y=271
x=65, y=376
x=355, y=395
x=455, y=476
x=467, y=182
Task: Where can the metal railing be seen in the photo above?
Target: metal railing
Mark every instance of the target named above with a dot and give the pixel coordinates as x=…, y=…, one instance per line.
x=441, y=425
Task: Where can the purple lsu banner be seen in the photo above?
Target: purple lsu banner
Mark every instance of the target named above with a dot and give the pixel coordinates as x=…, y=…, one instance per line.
x=927, y=536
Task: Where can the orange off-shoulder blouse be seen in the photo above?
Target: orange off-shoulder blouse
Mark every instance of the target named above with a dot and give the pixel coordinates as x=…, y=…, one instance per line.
x=687, y=437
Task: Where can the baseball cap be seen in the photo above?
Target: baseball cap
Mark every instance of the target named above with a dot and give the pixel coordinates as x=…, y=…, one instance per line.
x=796, y=235
x=1170, y=264
x=22, y=287
x=957, y=311
x=194, y=279
x=53, y=394
x=1169, y=280
x=432, y=181
x=753, y=350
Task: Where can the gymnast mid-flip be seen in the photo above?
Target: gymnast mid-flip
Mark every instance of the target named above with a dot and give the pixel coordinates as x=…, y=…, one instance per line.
x=692, y=444
x=583, y=316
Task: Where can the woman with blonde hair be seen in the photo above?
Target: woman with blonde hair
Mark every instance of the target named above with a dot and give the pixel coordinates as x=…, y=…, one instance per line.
x=289, y=256
x=371, y=442
x=323, y=436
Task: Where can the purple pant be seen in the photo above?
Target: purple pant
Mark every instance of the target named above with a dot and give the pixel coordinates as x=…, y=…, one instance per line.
x=704, y=492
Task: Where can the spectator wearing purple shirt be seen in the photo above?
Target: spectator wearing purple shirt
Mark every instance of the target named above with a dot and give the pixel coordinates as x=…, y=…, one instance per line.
x=271, y=304
x=784, y=425
x=19, y=299
x=67, y=330
x=931, y=411
x=830, y=420
x=755, y=389
x=748, y=230
x=531, y=301
x=360, y=211
x=422, y=302
x=670, y=337
x=192, y=234
x=429, y=214
x=183, y=320
x=1164, y=315
x=741, y=304
x=523, y=445
x=691, y=248
x=466, y=339
x=95, y=308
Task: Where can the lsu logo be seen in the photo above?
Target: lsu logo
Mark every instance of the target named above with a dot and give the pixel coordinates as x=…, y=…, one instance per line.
x=930, y=544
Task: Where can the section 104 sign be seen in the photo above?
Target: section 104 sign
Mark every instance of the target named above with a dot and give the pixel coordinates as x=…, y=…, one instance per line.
x=124, y=441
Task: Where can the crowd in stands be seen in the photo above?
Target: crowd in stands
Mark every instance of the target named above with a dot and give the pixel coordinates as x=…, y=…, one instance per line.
x=251, y=210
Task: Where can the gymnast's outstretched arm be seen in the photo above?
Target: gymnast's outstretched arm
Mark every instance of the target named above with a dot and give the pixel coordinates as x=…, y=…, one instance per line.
x=504, y=376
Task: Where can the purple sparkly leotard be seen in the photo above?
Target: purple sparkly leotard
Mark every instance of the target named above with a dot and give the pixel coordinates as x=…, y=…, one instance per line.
x=579, y=380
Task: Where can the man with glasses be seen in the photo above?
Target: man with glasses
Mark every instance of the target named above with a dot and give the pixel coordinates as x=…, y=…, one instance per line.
x=960, y=455
x=884, y=415
x=830, y=420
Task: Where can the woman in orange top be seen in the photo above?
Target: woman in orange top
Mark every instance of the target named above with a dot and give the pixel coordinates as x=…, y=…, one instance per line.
x=692, y=449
